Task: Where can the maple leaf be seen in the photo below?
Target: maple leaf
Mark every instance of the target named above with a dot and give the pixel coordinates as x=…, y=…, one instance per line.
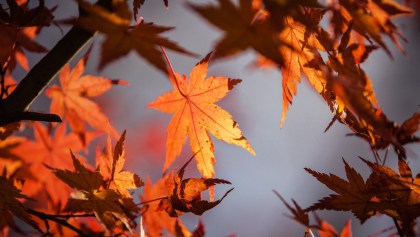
x=111, y=168
x=243, y=29
x=9, y=162
x=327, y=230
x=18, y=26
x=299, y=214
x=9, y=85
x=25, y=41
x=109, y=207
x=49, y=150
x=367, y=120
x=154, y=218
x=373, y=18
x=401, y=191
x=195, y=115
x=297, y=52
x=71, y=100
x=121, y=38
x=7, y=130
x=9, y=203
x=136, y=7
x=352, y=195
x=198, y=232
x=186, y=194
x=138, y=3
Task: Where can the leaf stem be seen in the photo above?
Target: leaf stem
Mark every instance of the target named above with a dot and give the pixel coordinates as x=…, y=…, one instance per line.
x=172, y=71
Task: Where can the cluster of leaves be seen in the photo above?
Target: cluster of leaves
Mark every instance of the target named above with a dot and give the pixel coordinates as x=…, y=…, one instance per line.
x=286, y=35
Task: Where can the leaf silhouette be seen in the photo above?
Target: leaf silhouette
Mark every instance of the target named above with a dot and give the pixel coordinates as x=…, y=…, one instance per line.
x=299, y=214
x=243, y=29
x=401, y=191
x=19, y=25
x=155, y=218
x=121, y=38
x=352, y=195
x=138, y=3
x=195, y=115
x=9, y=203
x=186, y=194
x=71, y=100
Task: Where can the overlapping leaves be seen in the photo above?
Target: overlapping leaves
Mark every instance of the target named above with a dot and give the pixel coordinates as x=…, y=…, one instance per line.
x=385, y=191
x=19, y=24
x=177, y=196
x=112, y=208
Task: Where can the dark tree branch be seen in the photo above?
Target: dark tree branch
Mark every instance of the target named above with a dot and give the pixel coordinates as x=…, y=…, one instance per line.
x=34, y=83
x=29, y=115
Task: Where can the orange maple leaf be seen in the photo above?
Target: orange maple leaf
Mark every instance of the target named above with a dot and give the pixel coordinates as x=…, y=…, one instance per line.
x=195, y=115
x=327, y=230
x=296, y=55
x=71, y=100
x=373, y=18
x=51, y=150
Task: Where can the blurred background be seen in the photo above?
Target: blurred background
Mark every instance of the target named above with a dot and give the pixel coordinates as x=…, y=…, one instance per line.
x=251, y=209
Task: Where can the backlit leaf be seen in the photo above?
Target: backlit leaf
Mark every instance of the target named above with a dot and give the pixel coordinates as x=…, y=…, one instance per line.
x=196, y=115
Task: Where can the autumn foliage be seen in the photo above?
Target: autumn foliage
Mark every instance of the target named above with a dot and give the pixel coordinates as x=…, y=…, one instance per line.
x=50, y=187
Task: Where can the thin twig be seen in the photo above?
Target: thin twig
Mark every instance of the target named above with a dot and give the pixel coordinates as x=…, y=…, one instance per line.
x=375, y=154
x=75, y=215
x=48, y=217
x=399, y=230
x=385, y=156
x=3, y=79
x=153, y=200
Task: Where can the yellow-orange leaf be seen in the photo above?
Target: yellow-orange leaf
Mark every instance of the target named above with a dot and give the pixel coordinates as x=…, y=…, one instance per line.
x=296, y=55
x=195, y=115
x=71, y=100
x=111, y=167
